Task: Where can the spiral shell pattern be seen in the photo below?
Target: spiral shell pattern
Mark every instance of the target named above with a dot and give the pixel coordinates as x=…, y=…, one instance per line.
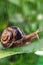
x=10, y=35
x=7, y=37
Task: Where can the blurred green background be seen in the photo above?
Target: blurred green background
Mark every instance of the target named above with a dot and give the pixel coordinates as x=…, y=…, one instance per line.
x=28, y=15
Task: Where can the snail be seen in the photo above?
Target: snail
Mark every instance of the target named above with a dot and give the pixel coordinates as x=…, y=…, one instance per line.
x=13, y=36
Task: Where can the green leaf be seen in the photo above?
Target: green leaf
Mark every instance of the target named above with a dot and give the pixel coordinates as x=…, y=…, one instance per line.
x=38, y=45
x=24, y=59
x=34, y=26
x=40, y=61
x=14, y=13
x=40, y=7
x=16, y=2
x=29, y=8
x=3, y=25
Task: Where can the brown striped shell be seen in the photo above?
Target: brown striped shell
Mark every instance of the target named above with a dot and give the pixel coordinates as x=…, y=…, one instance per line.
x=10, y=35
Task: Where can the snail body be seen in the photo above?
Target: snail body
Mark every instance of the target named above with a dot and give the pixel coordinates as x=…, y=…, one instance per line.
x=13, y=36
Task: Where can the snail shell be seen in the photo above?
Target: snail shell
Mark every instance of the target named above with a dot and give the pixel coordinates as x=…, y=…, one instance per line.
x=10, y=35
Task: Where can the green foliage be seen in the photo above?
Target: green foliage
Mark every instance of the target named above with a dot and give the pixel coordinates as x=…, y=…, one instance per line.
x=28, y=15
